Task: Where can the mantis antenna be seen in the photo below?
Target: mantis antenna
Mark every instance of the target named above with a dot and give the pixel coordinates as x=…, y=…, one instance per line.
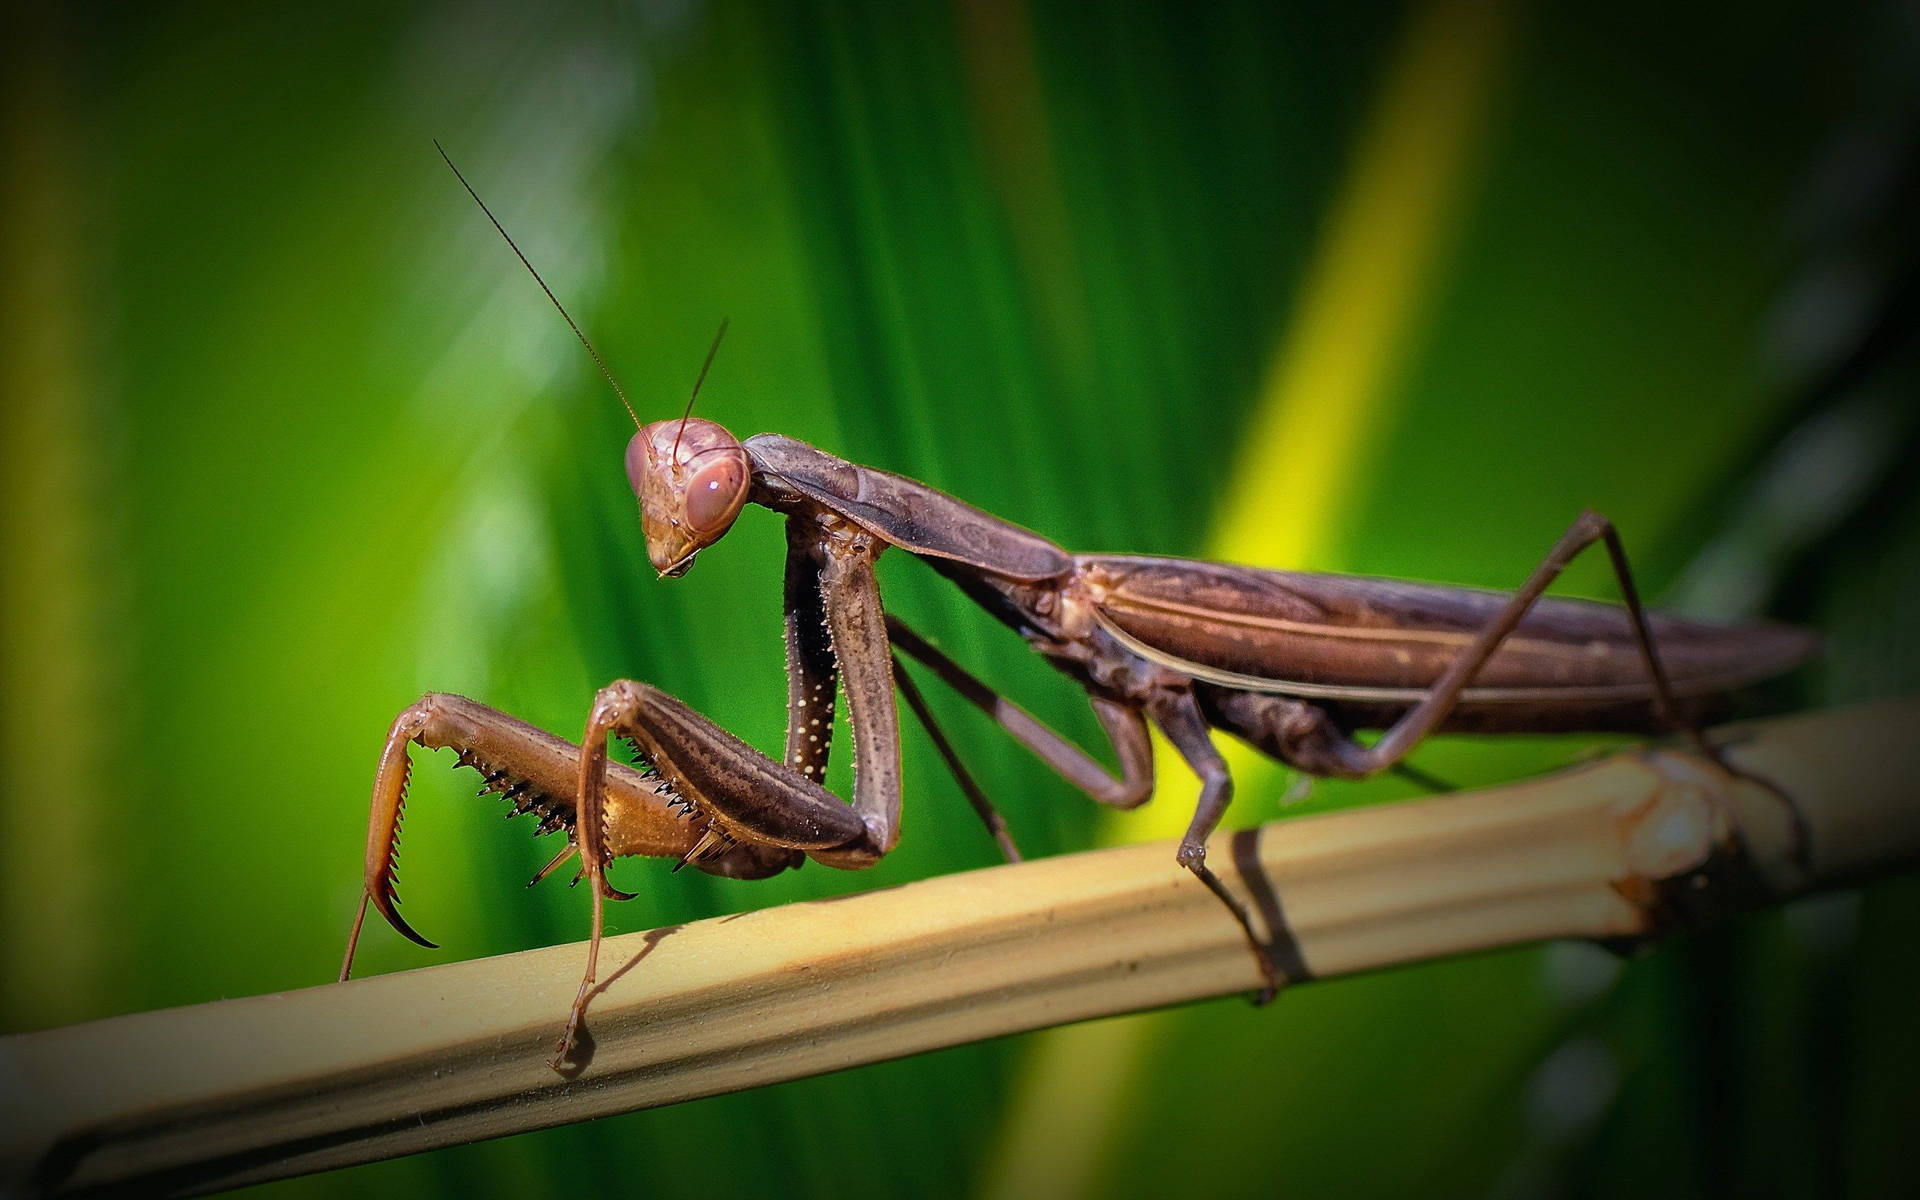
x=711, y=351
x=597, y=361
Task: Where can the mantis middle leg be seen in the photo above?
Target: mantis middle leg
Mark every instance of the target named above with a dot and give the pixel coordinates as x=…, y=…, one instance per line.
x=1125, y=728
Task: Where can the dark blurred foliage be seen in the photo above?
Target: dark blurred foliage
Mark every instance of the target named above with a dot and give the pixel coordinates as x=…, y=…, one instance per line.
x=289, y=439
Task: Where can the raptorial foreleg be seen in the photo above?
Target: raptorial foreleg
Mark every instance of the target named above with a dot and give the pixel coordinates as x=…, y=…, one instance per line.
x=538, y=773
x=749, y=799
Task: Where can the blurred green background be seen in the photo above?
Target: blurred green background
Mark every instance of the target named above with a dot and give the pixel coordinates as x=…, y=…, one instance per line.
x=290, y=439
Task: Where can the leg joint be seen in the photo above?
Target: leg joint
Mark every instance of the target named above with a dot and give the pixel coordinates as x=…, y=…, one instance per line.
x=1308, y=739
x=1593, y=524
x=417, y=720
x=619, y=701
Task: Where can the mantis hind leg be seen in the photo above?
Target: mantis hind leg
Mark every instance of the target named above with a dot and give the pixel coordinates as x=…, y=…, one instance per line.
x=1180, y=718
x=1310, y=740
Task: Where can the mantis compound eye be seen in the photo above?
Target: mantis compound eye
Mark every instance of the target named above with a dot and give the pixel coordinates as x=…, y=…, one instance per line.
x=715, y=495
x=637, y=460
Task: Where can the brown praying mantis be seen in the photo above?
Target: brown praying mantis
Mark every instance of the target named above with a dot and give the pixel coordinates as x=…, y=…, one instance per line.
x=1292, y=663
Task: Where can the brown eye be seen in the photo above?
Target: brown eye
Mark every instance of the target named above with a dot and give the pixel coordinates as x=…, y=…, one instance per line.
x=715, y=495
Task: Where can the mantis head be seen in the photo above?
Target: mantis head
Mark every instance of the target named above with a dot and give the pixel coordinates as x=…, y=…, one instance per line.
x=692, y=478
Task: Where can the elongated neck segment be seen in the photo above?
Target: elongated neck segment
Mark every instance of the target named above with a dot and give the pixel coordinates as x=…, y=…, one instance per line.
x=900, y=511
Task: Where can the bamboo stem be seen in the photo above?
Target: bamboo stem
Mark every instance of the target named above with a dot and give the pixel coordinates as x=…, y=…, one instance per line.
x=1631, y=847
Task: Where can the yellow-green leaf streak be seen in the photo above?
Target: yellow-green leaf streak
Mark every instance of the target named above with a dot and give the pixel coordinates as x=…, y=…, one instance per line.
x=1322, y=398
x=53, y=715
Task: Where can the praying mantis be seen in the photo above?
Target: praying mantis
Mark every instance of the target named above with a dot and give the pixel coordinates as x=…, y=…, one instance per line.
x=1292, y=663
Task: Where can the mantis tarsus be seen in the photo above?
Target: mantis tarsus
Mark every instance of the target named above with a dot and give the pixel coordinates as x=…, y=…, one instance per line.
x=1292, y=663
